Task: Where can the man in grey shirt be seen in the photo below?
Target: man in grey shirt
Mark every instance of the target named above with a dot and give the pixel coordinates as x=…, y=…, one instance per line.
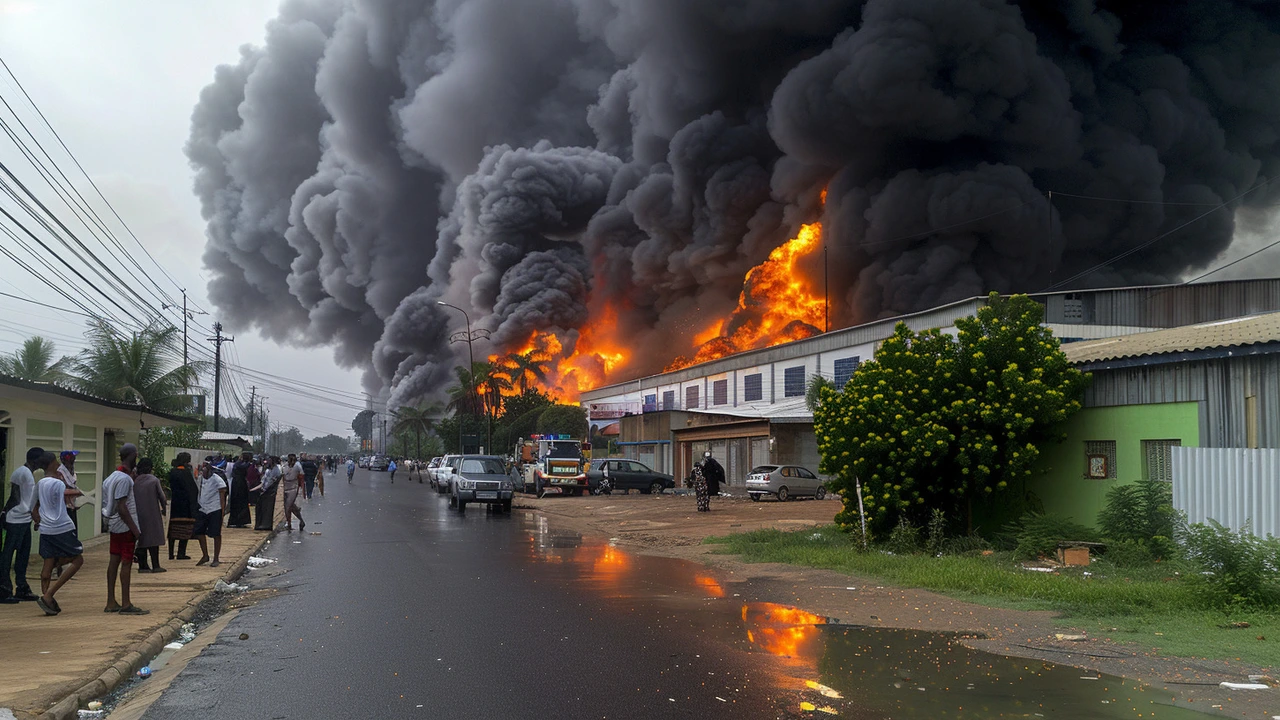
x=17, y=536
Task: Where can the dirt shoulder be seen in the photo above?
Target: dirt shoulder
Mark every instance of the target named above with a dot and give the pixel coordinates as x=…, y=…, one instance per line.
x=669, y=525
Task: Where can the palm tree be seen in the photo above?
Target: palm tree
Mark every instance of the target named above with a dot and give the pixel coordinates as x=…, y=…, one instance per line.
x=523, y=368
x=144, y=367
x=417, y=420
x=813, y=393
x=34, y=362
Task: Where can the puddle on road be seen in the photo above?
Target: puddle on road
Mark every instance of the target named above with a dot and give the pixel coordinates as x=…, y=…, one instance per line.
x=849, y=671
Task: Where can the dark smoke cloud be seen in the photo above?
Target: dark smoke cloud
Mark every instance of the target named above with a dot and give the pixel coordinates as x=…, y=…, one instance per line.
x=537, y=162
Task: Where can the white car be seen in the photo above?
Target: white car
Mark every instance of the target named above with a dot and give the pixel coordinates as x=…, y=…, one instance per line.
x=441, y=473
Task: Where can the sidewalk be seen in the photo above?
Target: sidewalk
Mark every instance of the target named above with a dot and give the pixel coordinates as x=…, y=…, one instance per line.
x=83, y=652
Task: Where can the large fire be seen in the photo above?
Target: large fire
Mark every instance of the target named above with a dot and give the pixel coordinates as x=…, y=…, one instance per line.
x=778, y=304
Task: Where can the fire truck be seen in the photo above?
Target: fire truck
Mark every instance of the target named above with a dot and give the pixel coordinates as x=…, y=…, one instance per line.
x=553, y=464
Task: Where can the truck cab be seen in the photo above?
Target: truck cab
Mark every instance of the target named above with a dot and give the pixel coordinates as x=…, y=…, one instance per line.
x=552, y=465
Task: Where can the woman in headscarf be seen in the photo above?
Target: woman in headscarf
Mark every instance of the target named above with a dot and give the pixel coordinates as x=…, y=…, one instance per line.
x=182, y=513
x=238, y=498
x=265, y=513
x=700, y=489
x=151, y=510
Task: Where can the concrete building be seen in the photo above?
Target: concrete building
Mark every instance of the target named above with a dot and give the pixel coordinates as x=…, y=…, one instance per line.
x=749, y=409
x=56, y=419
x=1213, y=384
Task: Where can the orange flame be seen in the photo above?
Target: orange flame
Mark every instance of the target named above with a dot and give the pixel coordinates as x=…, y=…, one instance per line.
x=777, y=305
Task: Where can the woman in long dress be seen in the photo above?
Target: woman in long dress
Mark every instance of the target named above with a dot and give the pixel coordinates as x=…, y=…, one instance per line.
x=265, y=513
x=238, y=499
x=182, y=511
x=151, y=509
x=701, y=489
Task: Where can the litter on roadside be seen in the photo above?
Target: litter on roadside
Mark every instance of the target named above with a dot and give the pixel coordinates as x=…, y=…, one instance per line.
x=90, y=713
x=226, y=587
x=173, y=646
x=1072, y=638
x=1244, y=686
x=257, y=562
x=187, y=632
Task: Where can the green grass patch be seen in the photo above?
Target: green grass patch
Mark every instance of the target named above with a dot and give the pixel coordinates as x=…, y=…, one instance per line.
x=1137, y=603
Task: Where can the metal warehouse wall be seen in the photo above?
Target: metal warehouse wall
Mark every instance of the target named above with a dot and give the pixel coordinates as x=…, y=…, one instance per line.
x=1223, y=387
x=1167, y=306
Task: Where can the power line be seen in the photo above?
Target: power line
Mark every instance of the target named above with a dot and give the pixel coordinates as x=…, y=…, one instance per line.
x=1152, y=241
x=1233, y=262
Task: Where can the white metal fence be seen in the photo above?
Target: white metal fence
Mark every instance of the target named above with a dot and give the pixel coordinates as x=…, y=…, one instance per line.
x=1231, y=485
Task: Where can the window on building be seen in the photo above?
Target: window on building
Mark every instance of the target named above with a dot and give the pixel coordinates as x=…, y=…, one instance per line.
x=793, y=382
x=720, y=392
x=691, y=397
x=753, y=387
x=669, y=400
x=1100, y=459
x=1157, y=459
x=650, y=403
x=845, y=368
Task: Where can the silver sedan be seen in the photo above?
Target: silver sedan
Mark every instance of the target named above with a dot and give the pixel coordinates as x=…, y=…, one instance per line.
x=783, y=482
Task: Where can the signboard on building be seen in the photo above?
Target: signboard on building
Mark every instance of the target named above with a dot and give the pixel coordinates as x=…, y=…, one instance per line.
x=612, y=411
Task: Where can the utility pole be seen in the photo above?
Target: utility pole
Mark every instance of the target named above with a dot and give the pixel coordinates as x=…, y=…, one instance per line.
x=253, y=394
x=474, y=391
x=186, y=315
x=217, y=340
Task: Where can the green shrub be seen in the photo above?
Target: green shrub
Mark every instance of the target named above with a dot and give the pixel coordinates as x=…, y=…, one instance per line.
x=1038, y=535
x=1129, y=553
x=965, y=545
x=1236, y=569
x=904, y=539
x=937, y=533
x=1141, y=512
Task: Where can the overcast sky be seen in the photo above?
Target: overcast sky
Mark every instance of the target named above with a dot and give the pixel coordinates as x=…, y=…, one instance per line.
x=118, y=80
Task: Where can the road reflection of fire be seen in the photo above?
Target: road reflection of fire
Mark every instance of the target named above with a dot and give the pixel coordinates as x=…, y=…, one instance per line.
x=784, y=631
x=710, y=586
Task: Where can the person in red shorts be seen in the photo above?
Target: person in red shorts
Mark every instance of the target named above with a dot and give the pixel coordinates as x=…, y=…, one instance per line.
x=121, y=510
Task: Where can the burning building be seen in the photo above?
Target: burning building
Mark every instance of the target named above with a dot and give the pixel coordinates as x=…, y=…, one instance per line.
x=749, y=409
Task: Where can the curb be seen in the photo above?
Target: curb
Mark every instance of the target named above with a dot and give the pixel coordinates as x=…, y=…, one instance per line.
x=68, y=707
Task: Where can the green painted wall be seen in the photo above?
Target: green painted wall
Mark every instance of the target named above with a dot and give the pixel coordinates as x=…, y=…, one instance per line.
x=1061, y=484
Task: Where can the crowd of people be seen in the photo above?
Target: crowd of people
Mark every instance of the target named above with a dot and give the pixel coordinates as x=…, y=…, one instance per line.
x=239, y=493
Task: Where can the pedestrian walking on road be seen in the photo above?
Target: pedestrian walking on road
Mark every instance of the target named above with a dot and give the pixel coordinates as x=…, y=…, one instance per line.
x=700, y=489
x=320, y=478
x=309, y=469
x=182, y=511
x=120, y=508
x=238, y=497
x=212, y=505
x=67, y=471
x=59, y=545
x=16, y=552
x=391, y=467
x=713, y=471
x=293, y=480
x=152, y=508
x=265, y=513
x=351, y=470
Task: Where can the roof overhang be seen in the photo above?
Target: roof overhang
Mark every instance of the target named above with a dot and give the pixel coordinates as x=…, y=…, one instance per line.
x=125, y=414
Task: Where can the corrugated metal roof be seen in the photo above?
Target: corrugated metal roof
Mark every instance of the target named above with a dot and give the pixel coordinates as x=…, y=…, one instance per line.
x=1235, y=332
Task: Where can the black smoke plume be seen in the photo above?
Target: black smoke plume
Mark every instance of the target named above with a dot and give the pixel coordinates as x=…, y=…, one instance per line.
x=534, y=162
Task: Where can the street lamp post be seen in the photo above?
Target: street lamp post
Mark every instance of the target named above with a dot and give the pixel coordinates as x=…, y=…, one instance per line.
x=470, y=357
x=186, y=315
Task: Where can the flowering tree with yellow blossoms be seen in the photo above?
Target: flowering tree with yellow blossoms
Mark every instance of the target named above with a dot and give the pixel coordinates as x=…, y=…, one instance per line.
x=936, y=421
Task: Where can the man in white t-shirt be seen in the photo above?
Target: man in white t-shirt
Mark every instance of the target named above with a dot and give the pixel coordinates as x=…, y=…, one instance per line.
x=120, y=508
x=59, y=544
x=212, y=500
x=16, y=551
x=294, y=476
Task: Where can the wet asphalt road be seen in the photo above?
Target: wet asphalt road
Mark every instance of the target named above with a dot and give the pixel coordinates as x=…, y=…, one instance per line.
x=404, y=608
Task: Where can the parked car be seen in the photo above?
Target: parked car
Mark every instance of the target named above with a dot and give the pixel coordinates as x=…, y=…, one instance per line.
x=783, y=482
x=443, y=472
x=430, y=469
x=379, y=463
x=481, y=479
x=629, y=475
x=363, y=462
